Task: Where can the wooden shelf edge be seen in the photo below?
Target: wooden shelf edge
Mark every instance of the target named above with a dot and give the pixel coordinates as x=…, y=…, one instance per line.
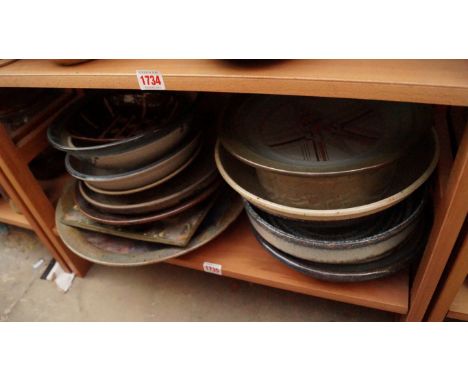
x=425, y=81
x=246, y=260
x=8, y=216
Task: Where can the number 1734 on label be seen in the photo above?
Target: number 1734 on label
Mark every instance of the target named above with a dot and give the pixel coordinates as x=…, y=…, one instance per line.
x=150, y=80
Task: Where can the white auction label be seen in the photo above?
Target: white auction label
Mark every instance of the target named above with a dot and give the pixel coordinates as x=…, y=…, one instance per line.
x=212, y=268
x=150, y=80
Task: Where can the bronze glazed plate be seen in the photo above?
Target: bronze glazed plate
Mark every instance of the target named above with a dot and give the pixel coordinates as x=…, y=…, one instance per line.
x=177, y=230
x=193, y=179
x=124, y=220
x=344, y=242
x=109, y=250
x=394, y=261
x=138, y=177
x=301, y=146
x=122, y=130
x=413, y=171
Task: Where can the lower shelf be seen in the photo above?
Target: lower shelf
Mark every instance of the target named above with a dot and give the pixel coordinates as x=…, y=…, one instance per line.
x=241, y=257
x=7, y=215
x=459, y=308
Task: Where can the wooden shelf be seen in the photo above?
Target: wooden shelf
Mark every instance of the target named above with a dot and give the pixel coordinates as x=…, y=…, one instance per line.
x=8, y=216
x=459, y=308
x=426, y=81
x=241, y=257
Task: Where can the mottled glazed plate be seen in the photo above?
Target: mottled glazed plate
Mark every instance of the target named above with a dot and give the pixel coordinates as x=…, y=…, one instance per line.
x=413, y=171
x=109, y=250
x=356, y=241
x=193, y=179
x=394, y=261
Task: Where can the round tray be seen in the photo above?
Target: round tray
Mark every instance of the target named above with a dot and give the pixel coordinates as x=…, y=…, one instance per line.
x=415, y=170
x=197, y=176
x=396, y=260
x=151, y=141
x=137, y=219
x=110, y=250
x=134, y=179
x=357, y=241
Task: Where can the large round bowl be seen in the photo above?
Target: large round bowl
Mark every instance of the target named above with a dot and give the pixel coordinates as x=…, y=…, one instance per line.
x=360, y=240
x=94, y=141
x=110, y=250
x=111, y=180
x=413, y=170
x=322, y=153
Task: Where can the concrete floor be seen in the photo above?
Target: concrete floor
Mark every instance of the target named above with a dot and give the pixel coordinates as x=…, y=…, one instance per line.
x=153, y=293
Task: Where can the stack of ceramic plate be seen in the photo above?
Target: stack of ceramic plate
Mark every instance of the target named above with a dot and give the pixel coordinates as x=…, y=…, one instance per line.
x=316, y=173
x=142, y=171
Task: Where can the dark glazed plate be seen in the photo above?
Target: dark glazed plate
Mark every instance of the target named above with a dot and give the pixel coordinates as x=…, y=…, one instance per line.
x=120, y=220
x=310, y=135
x=345, y=242
x=135, y=178
x=396, y=260
x=122, y=130
x=109, y=250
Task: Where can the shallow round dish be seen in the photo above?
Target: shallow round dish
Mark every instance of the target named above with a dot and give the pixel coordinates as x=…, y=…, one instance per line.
x=146, y=186
x=322, y=153
x=119, y=219
x=394, y=261
x=106, y=139
x=110, y=250
x=111, y=180
x=360, y=240
x=414, y=170
x=193, y=179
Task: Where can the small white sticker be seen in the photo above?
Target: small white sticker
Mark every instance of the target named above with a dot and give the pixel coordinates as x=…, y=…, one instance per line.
x=150, y=80
x=212, y=268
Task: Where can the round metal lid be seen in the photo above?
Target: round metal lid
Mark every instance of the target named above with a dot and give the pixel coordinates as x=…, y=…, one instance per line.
x=307, y=135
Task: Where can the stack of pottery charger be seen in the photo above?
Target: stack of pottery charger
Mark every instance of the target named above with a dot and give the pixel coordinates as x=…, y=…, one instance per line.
x=333, y=188
x=143, y=173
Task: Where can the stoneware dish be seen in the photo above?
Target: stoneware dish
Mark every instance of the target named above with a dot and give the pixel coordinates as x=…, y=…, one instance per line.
x=414, y=169
x=96, y=131
x=120, y=220
x=394, y=261
x=105, y=179
x=322, y=153
x=197, y=176
x=108, y=250
x=156, y=183
x=357, y=241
